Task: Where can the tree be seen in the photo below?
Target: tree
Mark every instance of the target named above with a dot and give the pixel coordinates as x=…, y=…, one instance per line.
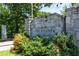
x=4, y=13
x=17, y=13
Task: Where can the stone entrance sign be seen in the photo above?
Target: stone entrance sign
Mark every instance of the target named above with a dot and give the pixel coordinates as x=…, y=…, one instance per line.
x=45, y=26
x=3, y=32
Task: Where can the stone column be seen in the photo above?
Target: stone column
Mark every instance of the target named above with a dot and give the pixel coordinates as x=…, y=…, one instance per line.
x=3, y=32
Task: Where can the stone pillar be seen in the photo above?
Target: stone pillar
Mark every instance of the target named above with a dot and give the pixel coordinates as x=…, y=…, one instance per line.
x=3, y=32
x=27, y=25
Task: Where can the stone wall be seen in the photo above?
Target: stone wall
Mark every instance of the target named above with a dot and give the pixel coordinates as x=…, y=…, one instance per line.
x=46, y=26
x=54, y=23
x=72, y=21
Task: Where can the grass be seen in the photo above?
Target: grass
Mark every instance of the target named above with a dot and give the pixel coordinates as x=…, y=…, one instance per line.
x=0, y=40
x=7, y=53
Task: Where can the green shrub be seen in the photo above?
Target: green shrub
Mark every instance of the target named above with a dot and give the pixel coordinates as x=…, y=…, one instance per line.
x=17, y=38
x=36, y=47
x=30, y=47
x=37, y=38
x=74, y=50
x=60, y=40
x=66, y=44
x=60, y=44
x=52, y=50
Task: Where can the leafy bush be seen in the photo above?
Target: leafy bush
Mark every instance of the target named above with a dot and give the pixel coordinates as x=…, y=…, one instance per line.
x=60, y=44
x=60, y=40
x=36, y=47
x=65, y=44
x=52, y=50
x=31, y=47
x=74, y=50
x=17, y=39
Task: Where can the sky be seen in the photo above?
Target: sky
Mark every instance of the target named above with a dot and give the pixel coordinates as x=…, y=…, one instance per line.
x=54, y=8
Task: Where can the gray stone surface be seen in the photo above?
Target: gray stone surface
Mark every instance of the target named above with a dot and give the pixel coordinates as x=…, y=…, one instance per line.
x=73, y=24
x=46, y=26
x=54, y=23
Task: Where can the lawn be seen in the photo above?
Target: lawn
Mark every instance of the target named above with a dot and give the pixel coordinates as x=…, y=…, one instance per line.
x=7, y=53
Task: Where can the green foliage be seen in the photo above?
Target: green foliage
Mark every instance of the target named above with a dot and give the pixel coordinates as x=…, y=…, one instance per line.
x=60, y=40
x=66, y=44
x=30, y=47
x=37, y=38
x=13, y=15
x=36, y=47
x=4, y=13
x=7, y=53
x=74, y=50
x=59, y=44
x=52, y=50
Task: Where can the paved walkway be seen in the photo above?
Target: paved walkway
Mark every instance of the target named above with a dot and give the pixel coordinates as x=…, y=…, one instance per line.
x=6, y=45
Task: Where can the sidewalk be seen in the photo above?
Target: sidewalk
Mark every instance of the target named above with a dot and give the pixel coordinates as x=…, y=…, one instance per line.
x=6, y=45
